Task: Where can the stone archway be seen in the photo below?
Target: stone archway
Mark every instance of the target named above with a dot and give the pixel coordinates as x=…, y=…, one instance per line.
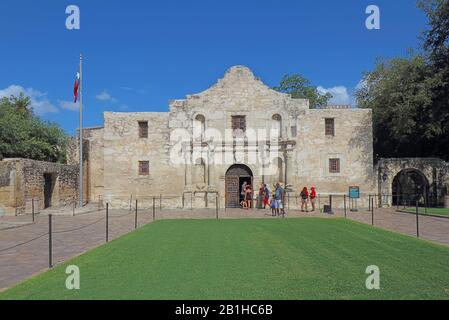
x=235, y=176
x=431, y=174
x=409, y=186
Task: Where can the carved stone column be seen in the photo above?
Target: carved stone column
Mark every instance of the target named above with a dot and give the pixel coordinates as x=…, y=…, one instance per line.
x=188, y=154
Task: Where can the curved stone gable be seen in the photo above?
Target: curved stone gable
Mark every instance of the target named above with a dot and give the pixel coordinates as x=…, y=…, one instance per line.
x=239, y=88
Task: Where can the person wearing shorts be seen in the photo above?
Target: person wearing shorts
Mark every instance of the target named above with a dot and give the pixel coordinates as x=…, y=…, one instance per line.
x=312, y=197
x=273, y=206
x=304, y=199
x=278, y=198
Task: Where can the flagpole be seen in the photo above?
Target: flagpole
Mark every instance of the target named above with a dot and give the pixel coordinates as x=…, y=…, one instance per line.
x=81, y=185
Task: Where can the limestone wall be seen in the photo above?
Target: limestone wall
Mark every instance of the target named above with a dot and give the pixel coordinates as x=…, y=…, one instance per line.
x=197, y=159
x=94, y=165
x=352, y=144
x=26, y=181
x=302, y=129
x=93, y=182
x=435, y=171
x=10, y=185
x=123, y=149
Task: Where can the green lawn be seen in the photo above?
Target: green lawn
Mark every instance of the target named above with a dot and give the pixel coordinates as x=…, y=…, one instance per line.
x=306, y=258
x=434, y=211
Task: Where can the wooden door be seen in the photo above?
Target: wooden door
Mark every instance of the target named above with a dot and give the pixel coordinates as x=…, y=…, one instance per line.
x=232, y=192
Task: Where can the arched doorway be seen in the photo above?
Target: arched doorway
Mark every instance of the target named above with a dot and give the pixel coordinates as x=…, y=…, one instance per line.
x=236, y=175
x=409, y=186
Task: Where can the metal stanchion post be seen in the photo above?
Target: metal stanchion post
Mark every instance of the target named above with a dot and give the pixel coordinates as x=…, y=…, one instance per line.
x=154, y=209
x=344, y=205
x=50, y=247
x=372, y=213
x=417, y=219
x=107, y=221
x=32, y=208
x=16, y=207
x=426, y=204
x=135, y=217
x=216, y=205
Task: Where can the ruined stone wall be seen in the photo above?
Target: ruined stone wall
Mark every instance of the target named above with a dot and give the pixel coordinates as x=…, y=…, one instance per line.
x=27, y=182
x=10, y=187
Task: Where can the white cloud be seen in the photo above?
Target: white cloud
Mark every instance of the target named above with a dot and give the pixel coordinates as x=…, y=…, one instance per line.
x=39, y=100
x=339, y=94
x=69, y=105
x=105, y=96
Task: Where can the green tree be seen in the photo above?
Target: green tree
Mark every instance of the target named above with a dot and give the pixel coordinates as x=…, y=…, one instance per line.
x=22, y=103
x=398, y=92
x=410, y=96
x=436, y=38
x=436, y=46
x=23, y=135
x=300, y=88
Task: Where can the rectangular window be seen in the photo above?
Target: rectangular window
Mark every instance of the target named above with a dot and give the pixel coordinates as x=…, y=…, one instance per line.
x=144, y=168
x=334, y=165
x=143, y=129
x=330, y=127
x=238, y=125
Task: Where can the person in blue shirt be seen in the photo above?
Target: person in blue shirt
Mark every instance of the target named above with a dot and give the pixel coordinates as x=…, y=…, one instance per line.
x=279, y=194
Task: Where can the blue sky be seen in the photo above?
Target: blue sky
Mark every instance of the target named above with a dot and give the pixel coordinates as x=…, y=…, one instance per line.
x=140, y=54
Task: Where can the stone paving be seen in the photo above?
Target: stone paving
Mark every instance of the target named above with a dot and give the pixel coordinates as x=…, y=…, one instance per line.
x=430, y=228
x=73, y=235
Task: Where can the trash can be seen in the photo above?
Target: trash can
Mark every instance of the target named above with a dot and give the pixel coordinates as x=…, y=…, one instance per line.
x=327, y=209
x=259, y=204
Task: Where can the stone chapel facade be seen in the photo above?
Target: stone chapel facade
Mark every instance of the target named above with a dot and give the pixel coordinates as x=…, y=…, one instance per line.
x=238, y=130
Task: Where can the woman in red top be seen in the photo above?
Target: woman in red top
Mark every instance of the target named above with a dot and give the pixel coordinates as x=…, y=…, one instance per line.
x=312, y=197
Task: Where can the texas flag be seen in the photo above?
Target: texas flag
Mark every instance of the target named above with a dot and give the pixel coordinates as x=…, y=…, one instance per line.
x=76, y=86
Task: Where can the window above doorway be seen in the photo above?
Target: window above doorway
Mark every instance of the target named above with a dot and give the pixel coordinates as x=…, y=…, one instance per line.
x=238, y=126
